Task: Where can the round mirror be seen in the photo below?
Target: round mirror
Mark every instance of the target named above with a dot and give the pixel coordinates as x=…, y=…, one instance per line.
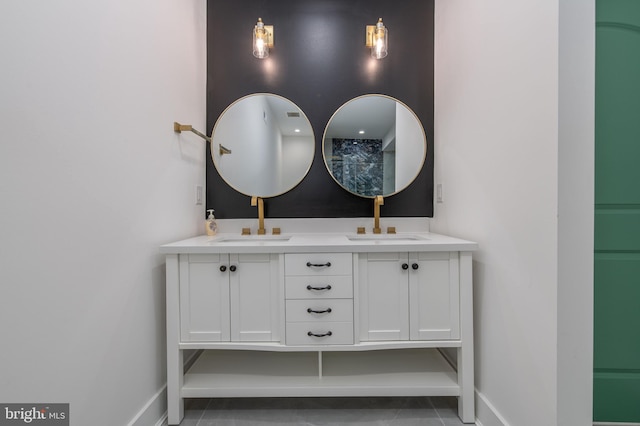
x=374, y=145
x=262, y=145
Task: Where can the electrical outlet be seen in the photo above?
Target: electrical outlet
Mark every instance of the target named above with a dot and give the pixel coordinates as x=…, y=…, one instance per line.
x=199, y=195
x=439, y=193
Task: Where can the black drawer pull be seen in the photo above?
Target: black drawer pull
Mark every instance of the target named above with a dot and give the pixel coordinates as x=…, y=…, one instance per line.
x=318, y=265
x=326, y=287
x=328, y=333
x=312, y=311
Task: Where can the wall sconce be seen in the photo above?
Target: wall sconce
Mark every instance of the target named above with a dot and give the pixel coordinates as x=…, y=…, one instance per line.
x=377, y=39
x=262, y=39
x=179, y=128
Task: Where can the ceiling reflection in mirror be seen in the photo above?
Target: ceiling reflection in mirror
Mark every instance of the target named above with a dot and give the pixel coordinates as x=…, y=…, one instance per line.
x=262, y=145
x=374, y=145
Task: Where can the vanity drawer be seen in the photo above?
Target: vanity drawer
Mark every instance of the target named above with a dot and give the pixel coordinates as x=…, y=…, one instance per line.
x=330, y=287
x=316, y=310
x=314, y=264
x=326, y=333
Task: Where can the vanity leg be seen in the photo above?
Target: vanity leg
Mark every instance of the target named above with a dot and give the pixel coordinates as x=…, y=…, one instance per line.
x=175, y=378
x=466, y=402
x=175, y=403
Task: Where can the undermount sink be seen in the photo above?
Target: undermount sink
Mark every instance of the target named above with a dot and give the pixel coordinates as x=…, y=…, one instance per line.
x=251, y=238
x=385, y=237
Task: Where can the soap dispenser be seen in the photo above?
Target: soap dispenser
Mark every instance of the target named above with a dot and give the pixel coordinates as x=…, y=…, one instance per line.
x=211, y=225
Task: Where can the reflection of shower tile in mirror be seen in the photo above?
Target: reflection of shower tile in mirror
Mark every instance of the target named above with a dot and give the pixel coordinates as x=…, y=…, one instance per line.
x=358, y=165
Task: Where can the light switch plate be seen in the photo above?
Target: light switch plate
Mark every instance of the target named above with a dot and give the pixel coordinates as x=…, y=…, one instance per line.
x=199, y=195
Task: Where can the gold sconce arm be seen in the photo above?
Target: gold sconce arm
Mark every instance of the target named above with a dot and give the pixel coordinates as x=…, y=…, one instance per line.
x=179, y=128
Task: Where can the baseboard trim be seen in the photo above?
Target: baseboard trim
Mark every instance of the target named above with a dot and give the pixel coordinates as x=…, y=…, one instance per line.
x=486, y=413
x=154, y=409
x=162, y=420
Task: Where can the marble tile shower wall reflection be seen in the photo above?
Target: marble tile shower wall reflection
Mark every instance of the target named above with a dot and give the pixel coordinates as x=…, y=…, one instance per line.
x=358, y=165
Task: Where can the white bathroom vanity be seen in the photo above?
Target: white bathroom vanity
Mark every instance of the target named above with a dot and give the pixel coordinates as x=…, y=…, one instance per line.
x=319, y=315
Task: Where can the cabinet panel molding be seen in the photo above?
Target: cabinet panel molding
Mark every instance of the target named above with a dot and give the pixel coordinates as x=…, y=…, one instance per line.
x=384, y=296
x=434, y=297
x=254, y=298
x=204, y=299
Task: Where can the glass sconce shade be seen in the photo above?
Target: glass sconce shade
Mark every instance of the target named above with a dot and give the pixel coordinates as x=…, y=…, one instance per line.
x=262, y=39
x=380, y=41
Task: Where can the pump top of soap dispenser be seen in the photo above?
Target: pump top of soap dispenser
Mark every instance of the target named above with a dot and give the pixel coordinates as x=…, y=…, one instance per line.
x=211, y=225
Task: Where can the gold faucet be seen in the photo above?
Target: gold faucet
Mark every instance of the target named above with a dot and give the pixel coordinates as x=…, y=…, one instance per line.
x=260, y=203
x=377, y=202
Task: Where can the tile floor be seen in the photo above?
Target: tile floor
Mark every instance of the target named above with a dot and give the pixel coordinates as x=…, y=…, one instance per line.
x=418, y=411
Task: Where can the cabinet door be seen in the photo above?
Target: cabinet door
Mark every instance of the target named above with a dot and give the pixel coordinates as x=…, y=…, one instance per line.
x=204, y=298
x=255, y=300
x=434, y=296
x=384, y=296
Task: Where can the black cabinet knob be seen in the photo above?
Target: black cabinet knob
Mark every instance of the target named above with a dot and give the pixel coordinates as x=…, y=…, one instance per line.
x=233, y=268
x=415, y=266
x=223, y=268
x=405, y=266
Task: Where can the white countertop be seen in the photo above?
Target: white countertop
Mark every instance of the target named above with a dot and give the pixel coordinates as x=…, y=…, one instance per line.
x=318, y=243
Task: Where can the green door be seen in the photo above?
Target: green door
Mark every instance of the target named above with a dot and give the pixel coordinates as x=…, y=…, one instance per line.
x=617, y=213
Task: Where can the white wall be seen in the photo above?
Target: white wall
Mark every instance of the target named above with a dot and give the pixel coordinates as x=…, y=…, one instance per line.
x=576, y=211
x=93, y=179
x=504, y=160
x=496, y=140
x=253, y=137
x=296, y=155
x=410, y=146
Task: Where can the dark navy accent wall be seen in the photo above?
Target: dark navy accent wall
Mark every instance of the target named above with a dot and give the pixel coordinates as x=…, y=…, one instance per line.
x=320, y=62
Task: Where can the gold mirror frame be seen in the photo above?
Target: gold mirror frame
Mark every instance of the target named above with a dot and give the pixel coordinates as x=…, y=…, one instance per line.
x=255, y=149
x=384, y=119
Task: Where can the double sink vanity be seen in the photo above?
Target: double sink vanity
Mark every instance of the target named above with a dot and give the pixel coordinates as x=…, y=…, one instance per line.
x=319, y=314
x=313, y=315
